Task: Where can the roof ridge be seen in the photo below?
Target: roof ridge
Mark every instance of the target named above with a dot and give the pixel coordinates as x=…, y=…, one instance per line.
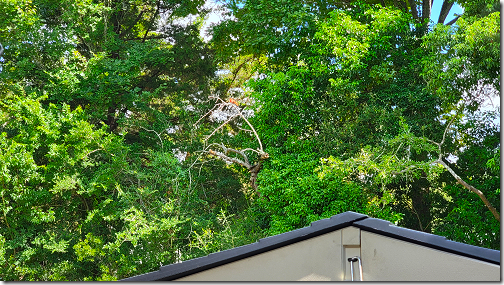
x=317, y=228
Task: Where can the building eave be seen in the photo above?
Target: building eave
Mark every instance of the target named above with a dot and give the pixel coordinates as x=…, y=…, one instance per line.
x=340, y=221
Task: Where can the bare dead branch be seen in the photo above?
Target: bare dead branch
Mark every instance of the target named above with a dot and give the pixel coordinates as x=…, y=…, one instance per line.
x=159, y=137
x=227, y=150
x=224, y=155
x=220, y=127
x=204, y=116
x=245, y=130
x=460, y=180
x=251, y=149
x=240, y=153
x=445, y=131
x=239, y=113
x=255, y=133
x=230, y=159
x=471, y=188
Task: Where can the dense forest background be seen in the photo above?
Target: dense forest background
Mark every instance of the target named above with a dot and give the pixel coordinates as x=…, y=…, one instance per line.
x=131, y=137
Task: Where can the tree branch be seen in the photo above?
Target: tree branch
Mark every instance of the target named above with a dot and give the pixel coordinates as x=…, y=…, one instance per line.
x=227, y=150
x=471, y=188
x=253, y=169
x=151, y=22
x=230, y=159
x=160, y=140
x=453, y=21
x=240, y=153
x=132, y=25
x=410, y=204
x=460, y=180
x=411, y=167
x=445, y=9
x=233, y=106
x=221, y=126
x=148, y=38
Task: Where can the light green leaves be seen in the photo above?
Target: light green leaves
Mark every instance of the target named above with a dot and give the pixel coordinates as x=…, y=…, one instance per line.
x=90, y=248
x=462, y=58
x=346, y=39
x=52, y=242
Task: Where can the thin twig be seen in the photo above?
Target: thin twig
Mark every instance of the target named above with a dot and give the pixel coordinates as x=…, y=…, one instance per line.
x=209, y=112
x=445, y=131
x=92, y=152
x=162, y=146
x=255, y=133
x=221, y=126
x=411, y=167
x=251, y=149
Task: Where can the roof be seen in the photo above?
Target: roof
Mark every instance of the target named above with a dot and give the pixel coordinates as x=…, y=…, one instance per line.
x=343, y=220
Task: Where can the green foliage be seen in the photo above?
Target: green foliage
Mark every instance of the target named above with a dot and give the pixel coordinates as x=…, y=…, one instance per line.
x=462, y=59
x=297, y=192
x=349, y=99
x=342, y=95
x=467, y=221
x=349, y=90
x=75, y=204
x=393, y=169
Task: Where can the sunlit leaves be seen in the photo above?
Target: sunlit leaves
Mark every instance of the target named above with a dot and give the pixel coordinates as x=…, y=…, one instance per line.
x=346, y=39
x=464, y=59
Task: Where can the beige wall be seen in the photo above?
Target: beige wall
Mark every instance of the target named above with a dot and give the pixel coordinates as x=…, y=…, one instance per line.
x=388, y=259
x=324, y=258
x=316, y=259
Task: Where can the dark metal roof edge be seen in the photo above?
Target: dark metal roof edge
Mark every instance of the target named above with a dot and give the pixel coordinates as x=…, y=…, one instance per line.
x=388, y=229
x=346, y=219
x=179, y=270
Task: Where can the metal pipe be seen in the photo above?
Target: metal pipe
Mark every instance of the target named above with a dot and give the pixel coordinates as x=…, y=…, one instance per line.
x=352, y=260
x=360, y=268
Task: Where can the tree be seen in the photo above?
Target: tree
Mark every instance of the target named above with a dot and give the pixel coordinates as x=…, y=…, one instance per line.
x=391, y=165
x=338, y=79
x=65, y=213
x=90, y=187
x=114, y=59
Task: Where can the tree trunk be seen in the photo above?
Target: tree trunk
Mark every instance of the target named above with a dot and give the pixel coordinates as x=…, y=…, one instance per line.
x=426, y=9
x=445, y=9
x=414, y=11
x=111, y=119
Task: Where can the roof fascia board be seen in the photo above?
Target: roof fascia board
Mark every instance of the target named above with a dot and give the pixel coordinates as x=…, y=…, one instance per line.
x=346, y=219
x=388, y=229
x=179, y=270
